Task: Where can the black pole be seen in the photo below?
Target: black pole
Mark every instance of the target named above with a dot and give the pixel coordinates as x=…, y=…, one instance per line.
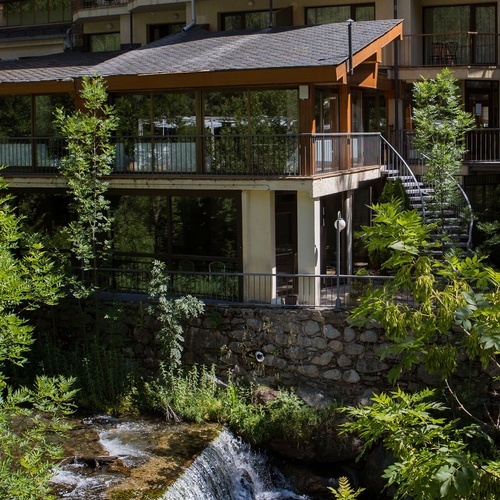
x=349, y=38
x=270, y=13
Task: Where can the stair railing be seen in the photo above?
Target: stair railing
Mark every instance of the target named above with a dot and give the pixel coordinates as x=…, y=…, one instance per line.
x=395, y=164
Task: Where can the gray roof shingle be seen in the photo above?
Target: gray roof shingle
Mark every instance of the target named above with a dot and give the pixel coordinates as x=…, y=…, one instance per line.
x=198, y=50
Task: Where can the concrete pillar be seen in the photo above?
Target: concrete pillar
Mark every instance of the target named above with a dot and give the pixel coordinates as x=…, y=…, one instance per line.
x=348, y=232
x=308, y=247
x=259, y=246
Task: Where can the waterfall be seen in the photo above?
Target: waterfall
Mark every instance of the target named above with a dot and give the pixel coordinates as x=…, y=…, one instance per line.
x=229, y=470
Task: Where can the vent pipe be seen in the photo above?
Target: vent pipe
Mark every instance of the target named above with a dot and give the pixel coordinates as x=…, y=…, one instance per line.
x=270, y=13
x=349, y=38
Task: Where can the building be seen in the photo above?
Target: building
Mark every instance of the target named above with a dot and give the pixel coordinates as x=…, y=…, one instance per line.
x=246, y=126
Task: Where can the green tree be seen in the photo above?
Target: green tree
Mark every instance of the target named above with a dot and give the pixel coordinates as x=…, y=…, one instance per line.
x=453, y=323
x=440, y=126
x=28, y=416
x=86, y=168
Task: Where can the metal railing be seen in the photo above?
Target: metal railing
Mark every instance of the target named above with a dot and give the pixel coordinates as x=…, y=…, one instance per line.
x=96, y=4
x=449, y=49
x=255, y=155
x=298, y=290
x=482, y=144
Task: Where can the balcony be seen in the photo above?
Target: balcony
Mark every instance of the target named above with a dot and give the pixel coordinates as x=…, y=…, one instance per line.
x=95, y=4
x=290, y=155
x=483, y=147
x=449, y=49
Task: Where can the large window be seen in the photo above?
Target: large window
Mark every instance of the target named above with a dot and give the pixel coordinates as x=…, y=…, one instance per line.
x=461, y=34
x=256, y=20
x=176, y=229
x=340, y=13
x=104, y=42
x=33, y=12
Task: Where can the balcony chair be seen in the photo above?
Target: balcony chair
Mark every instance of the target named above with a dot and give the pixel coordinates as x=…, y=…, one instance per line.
x=217, y=267
x=186, y=266
x=437, y=54
x=450, y=53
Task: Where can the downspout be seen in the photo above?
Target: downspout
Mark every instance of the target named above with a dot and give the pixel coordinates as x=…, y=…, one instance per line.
x=270, y=13
x=193, y=18
x=349, y=39
x=131, y=26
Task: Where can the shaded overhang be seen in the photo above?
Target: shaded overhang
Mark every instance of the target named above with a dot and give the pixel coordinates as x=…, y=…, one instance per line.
x=197, y=58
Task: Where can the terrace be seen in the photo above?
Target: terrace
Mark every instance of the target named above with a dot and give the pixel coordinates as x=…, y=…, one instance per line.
x=254, y=155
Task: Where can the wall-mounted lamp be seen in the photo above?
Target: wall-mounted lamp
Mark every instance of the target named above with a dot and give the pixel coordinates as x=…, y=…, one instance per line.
x=339, y=226
x=259, y=357
x=176, y=16
x=109, y=26
x=250, y=3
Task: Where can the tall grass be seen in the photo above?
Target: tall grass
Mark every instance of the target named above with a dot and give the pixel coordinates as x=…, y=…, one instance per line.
x=197, y=395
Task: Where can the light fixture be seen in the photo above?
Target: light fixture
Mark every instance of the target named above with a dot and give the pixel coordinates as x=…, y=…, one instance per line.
x=250, y=3
x=259, y=356
x=176, y=16
x=339, y=226
x=109, y=26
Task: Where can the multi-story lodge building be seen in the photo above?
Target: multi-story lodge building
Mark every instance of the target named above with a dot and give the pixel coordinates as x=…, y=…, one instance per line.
x=246, y=126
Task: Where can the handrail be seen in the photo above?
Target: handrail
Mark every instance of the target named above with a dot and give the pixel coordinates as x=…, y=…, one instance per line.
x=457, y=207
x=403, y=170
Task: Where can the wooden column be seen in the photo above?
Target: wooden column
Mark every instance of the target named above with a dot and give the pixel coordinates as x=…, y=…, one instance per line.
x=307, y=126
x=345, y=125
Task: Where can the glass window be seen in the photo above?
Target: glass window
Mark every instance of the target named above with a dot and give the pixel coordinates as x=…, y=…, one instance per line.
x=45, y=105
x=104, y=42
x=245, y=20
x=35, y=12
x=173, y=228
x=340, y=13
x=157, y=31
x=256, y=112
x=15, y=116
x=463, y=34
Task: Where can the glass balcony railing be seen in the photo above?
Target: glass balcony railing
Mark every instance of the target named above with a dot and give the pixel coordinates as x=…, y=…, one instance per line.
x=211, y=155
x=449, y=49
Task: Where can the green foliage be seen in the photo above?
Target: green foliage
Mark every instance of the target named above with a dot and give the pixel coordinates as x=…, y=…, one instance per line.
x=106, y=381
x=170, y=313
x=198, y=396
x=440, y=127
x=394, y=190
x=454, y=320
x=85, y=169
x=344, y=491
x=28, y=417
x=454, y=294
x=433, y=456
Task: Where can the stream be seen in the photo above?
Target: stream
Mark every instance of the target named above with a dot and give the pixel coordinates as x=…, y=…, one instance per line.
x=110, y=458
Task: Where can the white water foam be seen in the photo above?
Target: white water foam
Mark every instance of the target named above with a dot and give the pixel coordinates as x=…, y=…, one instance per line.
x=229, y=470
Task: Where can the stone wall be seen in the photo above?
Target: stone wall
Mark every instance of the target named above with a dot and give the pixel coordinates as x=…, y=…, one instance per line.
x=316, y=351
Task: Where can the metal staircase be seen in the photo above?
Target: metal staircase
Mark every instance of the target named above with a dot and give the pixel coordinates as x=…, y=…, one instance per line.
x=453, y=222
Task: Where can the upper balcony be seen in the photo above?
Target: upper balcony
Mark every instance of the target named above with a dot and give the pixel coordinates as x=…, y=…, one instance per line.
x=449, y=49
x=256, y=156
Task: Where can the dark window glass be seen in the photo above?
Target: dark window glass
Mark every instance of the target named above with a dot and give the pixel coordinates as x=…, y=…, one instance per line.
x=33, y=12
x=340, y=13
x=104, y=42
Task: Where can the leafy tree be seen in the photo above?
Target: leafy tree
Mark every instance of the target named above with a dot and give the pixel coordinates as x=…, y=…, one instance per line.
x=88, y=132
x=440, y=126
x=432, y=456
x=28, y=417
x=170, y=313
x=453, y=322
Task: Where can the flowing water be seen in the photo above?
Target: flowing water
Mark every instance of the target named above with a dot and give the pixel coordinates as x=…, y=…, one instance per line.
x=229, y=470
x=109, y=458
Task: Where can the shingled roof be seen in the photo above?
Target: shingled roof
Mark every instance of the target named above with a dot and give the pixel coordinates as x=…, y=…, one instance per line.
x=200, y=51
